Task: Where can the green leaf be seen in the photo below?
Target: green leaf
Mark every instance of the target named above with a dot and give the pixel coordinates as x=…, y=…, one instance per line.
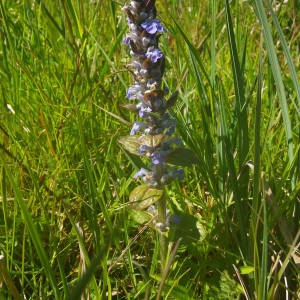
x=140, y=217
x=130, y=143
x=187, y=227
x=144, y=195
x=182, y=157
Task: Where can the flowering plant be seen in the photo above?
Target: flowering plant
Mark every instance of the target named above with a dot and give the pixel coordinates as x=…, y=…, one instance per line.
x=152, y=135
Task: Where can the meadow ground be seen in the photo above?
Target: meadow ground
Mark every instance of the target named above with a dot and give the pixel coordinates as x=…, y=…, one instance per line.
x=66, y=229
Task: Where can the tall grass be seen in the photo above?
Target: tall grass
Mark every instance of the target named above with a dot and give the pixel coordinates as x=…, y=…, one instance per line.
x=66, y=230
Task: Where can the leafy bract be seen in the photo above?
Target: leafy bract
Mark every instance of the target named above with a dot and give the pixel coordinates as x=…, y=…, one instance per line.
x=140, y=217
x=153, y=141
x=144, y=195
x=130, y=143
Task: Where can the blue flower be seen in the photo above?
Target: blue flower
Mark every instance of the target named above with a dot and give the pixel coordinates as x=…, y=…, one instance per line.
x=141, y=173
x=144, y=149
x=136, y=127
x=135, y=92
x=154, y=54
x=126, y=40
x=146, y=176
x=159, y=157
x=143, y=112
x=152, y=26
x=128, y=21
x=130, y=93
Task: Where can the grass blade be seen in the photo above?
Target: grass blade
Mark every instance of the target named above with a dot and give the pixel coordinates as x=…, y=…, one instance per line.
x=242, y=128
x=241, y=109
x=288, y=56
x=261, y=14
x=34, y=235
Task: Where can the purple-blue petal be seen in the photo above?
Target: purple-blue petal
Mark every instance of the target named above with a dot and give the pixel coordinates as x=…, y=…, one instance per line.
x=158, y=157
x=134, y=92
x=143, y=112
x=142, y=172
x=126, y=40
x=136, y=127
x=154, y=54
x=152, y=26
x=143, y=149
x=130, y=94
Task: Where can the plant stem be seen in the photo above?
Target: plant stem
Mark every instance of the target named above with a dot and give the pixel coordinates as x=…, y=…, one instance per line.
x=162, y=219
x=163, y=242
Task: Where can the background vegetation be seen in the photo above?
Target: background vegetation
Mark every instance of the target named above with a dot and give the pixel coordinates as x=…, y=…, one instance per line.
x=65, y=225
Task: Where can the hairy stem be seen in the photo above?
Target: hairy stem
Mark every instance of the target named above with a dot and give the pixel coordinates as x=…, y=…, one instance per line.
x=162, y=220
x=163, y=241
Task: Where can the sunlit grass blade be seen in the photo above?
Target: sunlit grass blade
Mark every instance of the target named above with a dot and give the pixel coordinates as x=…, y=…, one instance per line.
x=34, y=235
x=264, y=255
x=294, y=76
x=240, y=104
x=193, y=50
x=213, y=42
x=257, y=143
x=206, y=108
x=108, y=58
x=74, y=16
x=287, y=54
x=241, y=128
x=63, y=278
x=293, y=248
x=51, y=18
x=259, y=262
x=226, y=160
x=94, y=199
x=276, y=71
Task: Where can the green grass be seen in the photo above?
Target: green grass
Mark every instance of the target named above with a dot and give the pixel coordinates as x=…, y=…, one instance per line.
x=66, y=229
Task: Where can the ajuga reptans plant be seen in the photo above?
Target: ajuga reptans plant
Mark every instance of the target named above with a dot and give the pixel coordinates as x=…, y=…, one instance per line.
x=151, y=135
